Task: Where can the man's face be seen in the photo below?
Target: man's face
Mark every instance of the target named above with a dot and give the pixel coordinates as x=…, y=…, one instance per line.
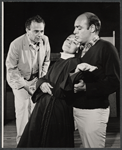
x=36, y=31
x=81, y=30
x=70, y=45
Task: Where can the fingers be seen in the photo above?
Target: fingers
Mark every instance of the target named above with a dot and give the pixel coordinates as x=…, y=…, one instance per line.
x=35, y=79
x=77, y=70
x=46, y=88
x=93, y=68
x=49, y=85
x=86, y=67
x=31, y=90
x=75, y=91
x=83, y=67
x=79, y=86
x=42, y=39
x=33, y=87
x=32, y=81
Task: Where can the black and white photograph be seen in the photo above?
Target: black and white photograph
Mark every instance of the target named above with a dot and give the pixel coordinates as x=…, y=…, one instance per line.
x=61, y=74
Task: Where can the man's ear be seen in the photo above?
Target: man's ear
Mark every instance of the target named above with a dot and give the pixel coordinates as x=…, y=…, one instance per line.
x=27, y=30
x=92, y=28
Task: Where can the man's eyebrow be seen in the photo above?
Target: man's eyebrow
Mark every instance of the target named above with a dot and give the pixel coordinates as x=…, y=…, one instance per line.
x=77, y=26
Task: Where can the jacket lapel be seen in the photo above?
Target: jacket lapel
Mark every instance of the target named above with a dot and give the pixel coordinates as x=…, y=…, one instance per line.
x=26, y=51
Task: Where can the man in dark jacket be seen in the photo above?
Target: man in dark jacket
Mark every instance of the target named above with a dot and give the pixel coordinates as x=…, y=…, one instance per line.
x=91, y=111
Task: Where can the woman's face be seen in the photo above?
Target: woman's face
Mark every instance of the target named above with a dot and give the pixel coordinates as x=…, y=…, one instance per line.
x=70, y=45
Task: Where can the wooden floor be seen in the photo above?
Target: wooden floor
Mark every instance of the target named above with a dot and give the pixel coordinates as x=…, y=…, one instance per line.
x=112, y=141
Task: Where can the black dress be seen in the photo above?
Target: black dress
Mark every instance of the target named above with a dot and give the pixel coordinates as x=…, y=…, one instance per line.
x=51, y=123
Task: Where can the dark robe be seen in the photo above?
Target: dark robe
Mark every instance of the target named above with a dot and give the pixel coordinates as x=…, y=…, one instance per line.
x=51, y=123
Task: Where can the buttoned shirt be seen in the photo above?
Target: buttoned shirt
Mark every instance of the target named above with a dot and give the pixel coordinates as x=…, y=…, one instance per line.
x=89, y=45
x=34, y=50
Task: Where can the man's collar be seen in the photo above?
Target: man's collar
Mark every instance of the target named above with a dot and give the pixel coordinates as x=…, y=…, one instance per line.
x=30, y=42
x=66, y=55
x=35, y=46
x=93, y=41
x=89, y=45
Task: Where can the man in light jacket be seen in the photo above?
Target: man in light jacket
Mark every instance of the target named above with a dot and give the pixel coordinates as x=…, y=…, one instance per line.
x=28, y=59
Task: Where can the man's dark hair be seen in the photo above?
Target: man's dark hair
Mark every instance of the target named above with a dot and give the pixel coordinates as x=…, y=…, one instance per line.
x=93, y=19
x=36, y=18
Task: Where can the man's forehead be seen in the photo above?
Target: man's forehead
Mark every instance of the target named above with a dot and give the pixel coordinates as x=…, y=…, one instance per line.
x=80, y=20
x=37, y=25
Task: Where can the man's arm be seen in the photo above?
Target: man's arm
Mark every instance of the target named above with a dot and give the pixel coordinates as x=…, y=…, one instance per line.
x=110, y=83
x=14, y=78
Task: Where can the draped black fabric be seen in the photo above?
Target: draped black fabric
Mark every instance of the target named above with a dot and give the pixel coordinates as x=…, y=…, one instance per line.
x=51, y=123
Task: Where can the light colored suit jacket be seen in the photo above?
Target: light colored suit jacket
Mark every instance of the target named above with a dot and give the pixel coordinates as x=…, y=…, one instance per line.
x=18, y=61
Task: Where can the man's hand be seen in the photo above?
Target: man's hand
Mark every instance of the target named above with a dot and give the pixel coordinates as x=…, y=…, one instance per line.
x=30, y=86
x=32, y=82
x=85, y=67
x=32, y=89
x=29, y=90
x=42, y=39
x=46, y=88
x=81, y=86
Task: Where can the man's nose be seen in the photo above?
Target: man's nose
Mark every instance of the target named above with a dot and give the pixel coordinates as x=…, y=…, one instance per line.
x=40, y=34
x=75, y=31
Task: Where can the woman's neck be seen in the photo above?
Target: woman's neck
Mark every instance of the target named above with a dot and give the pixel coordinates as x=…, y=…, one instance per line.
x=66, y=55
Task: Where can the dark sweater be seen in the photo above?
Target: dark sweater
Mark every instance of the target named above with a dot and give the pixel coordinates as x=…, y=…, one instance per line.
x=102, y=54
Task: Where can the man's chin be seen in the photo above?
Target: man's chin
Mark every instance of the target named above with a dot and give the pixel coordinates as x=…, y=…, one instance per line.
x=37, y=41
x=79, y=40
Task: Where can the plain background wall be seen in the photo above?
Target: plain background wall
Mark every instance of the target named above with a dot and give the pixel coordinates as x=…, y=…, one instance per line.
x=59, y=18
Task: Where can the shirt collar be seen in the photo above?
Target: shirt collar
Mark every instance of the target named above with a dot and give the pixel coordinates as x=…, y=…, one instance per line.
x=35, y=46
x=66, y=55
x=92, y=42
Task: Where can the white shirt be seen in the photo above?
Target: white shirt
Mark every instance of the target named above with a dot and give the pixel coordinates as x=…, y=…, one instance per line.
x=66, y=55
x=34, y=49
